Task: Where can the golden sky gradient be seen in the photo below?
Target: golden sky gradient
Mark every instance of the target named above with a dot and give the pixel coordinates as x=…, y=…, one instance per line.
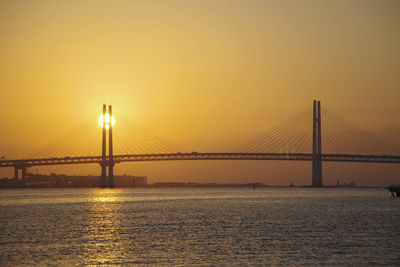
x=203, y=74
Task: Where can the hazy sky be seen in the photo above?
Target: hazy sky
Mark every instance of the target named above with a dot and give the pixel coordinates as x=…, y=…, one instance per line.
x=204, y=74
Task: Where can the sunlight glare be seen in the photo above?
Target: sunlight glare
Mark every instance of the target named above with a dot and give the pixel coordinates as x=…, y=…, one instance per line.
x=107, y=119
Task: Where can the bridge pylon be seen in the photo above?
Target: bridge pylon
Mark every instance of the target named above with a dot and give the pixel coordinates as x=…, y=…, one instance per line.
x=107, y=161
x=110, y=152
x=103, y=163
x=317, y=148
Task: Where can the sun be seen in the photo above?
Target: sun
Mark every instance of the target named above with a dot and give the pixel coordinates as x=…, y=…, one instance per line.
x=107, y=119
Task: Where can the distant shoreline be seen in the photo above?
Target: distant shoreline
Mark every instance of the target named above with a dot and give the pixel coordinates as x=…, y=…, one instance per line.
x=192, y=185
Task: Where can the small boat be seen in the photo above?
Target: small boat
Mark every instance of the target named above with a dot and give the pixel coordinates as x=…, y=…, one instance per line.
x=394, y=189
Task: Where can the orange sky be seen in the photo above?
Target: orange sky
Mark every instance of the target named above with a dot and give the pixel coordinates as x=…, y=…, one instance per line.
x=205, y=75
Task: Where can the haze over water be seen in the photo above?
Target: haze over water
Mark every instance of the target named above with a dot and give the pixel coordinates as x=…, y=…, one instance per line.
x=199, y=226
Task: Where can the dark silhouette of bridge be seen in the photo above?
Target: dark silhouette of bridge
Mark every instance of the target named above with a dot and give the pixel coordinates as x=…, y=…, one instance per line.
x=108, y=161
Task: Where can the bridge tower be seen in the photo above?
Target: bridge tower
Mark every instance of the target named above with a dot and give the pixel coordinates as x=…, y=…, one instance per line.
x=317, y=149
x=110, y=151
x=104, y=151
x=107, y=161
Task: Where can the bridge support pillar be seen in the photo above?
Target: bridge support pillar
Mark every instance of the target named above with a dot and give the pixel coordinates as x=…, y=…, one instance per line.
x=317, y=146
x=111, y=175
x=23, y=173
x=16, y=172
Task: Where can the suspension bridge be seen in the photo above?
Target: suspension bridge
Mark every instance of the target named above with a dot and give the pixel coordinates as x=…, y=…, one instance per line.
x=289, y=141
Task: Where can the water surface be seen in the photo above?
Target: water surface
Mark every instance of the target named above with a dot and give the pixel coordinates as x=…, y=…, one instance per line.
x=199, y=226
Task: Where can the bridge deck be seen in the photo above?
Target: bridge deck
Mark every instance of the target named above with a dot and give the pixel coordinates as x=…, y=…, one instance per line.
x=201, y=156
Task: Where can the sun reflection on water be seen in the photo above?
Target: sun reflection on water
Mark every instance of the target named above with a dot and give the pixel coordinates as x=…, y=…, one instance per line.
x=104, y=241
x=105, y=195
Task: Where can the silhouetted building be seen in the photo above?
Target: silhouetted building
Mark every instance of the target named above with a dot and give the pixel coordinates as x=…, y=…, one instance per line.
x=129, y=181
x=62, y=180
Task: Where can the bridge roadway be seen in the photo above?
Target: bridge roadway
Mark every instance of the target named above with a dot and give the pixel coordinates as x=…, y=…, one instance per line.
x=200, y=156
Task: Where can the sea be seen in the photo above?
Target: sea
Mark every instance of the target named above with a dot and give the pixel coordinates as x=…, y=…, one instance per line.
x=210, y=226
